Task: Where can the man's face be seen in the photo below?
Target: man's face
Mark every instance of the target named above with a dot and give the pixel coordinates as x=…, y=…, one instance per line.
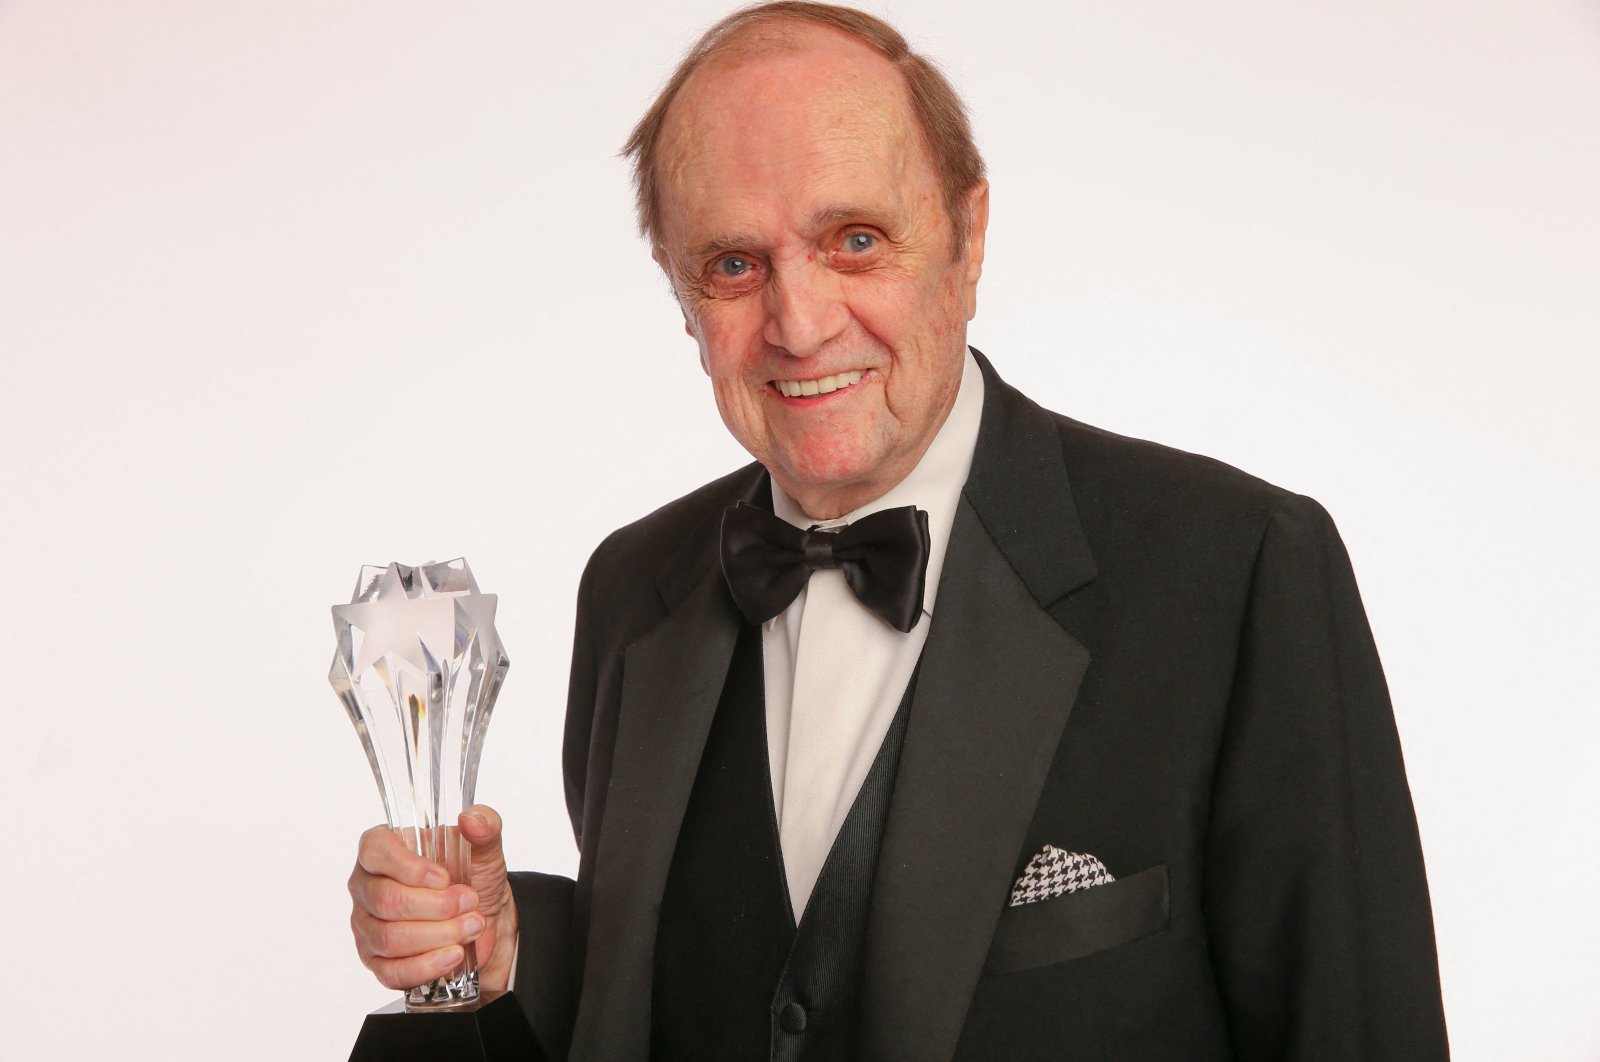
x=806, y=234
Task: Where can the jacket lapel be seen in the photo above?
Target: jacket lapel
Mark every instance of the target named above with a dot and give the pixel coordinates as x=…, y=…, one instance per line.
x=998, y=679
x=995, y=687
x=672, y=680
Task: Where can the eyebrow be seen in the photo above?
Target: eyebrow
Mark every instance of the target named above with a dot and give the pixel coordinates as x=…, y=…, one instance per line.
x=716, y=245
x=834, y=213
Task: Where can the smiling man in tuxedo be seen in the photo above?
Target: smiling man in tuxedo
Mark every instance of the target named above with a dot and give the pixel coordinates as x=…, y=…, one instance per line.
x=951, y=727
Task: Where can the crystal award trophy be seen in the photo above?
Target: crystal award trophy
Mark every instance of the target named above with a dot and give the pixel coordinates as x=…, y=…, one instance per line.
x=418, y=668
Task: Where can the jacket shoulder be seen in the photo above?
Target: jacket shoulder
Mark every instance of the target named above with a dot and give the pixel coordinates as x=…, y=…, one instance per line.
x=1159, y=509
x=1157, y=493
x=643, y=547
x=1127, y=471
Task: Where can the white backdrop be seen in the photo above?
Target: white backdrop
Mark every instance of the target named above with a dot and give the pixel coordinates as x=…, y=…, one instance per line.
x=287, y=287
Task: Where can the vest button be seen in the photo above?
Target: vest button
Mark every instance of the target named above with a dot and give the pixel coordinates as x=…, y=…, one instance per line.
x=792, y=1018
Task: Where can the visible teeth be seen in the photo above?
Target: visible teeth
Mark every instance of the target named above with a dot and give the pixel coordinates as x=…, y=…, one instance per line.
x=822, y=386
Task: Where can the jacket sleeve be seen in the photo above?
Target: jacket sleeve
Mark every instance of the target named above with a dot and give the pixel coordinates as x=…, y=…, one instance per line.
x=544, y=984
x=1315, y=897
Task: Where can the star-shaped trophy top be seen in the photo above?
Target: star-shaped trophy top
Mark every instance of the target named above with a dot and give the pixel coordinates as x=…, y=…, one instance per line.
x=418, y=614
x=451, y=578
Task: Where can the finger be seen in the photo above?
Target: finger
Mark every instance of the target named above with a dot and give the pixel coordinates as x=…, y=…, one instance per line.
x=382, y=853
x=401, y=974
x=376, y=938
x=390, y=901
x=481, y=826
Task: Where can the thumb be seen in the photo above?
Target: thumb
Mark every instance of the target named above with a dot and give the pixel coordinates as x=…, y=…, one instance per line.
x=480, y=825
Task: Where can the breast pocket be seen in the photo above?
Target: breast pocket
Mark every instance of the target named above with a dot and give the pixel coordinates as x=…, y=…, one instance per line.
x=1081, y=923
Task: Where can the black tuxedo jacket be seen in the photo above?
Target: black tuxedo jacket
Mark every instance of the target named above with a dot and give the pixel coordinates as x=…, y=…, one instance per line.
x=1137, y=653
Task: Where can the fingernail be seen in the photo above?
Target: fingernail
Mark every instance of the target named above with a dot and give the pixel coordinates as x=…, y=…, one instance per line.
x=477, y=818
x=469, y=900
x=472, y=926
x=436, y=879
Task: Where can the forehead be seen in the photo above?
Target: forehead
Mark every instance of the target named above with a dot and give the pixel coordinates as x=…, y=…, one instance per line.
x=771, y=131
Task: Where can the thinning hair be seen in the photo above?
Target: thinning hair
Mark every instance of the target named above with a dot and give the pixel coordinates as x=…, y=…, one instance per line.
x=939, y=112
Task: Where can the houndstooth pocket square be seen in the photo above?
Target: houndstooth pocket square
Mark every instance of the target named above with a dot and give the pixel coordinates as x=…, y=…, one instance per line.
x=1054, y=872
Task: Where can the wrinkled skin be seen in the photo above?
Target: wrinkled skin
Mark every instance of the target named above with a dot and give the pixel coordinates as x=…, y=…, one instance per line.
x=805, y=231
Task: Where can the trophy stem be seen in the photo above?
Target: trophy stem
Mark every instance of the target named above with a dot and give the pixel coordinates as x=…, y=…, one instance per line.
x=445, y=845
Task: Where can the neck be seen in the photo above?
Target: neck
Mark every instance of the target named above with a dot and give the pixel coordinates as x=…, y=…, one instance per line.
x=831, y=502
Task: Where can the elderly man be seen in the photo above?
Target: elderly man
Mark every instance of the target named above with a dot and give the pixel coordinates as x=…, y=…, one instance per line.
x=951, y=727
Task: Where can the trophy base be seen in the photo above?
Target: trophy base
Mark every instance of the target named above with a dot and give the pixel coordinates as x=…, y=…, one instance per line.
x=491, y=1029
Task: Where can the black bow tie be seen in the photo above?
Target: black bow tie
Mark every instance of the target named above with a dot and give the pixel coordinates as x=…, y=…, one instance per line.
x=767, y=560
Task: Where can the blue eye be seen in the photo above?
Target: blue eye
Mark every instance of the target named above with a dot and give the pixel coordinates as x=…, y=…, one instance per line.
x=857, y=242
x=732, y=266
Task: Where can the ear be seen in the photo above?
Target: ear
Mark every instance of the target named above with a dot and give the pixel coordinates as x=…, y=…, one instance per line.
x=977, y=211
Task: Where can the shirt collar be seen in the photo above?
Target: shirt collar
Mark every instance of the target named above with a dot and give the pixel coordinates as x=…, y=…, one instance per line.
x=934, y=485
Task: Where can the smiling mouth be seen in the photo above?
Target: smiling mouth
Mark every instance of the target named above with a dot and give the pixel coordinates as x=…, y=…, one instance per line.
x=821, y=386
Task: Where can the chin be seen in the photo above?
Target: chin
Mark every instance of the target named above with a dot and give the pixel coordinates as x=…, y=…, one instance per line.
x=831, y=474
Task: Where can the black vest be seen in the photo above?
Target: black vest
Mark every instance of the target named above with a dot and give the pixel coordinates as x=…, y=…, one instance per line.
x=734, y=978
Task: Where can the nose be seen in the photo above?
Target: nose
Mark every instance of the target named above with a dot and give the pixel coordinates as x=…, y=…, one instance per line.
x=805, y=307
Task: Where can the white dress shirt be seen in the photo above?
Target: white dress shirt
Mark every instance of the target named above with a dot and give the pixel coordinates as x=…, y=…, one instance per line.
x=835, y=674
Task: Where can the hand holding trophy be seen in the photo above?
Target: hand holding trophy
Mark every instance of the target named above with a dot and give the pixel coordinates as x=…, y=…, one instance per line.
x=418, y=668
